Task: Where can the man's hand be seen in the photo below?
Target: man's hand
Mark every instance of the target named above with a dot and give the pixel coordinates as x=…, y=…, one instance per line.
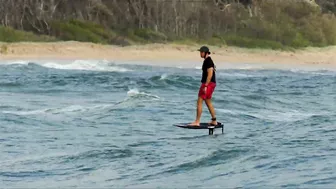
x=205, y=89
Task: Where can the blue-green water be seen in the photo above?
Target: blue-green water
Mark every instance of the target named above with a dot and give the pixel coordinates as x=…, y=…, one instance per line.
x=89, y=124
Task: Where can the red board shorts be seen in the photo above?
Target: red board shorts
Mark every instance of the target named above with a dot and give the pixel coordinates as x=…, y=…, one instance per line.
x=210, y=89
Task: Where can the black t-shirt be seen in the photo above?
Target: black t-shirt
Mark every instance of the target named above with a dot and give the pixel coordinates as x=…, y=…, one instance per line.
x=208, y=63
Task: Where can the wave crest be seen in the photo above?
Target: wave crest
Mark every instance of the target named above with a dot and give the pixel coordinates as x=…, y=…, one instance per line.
x=89, y=65
x=136, y=93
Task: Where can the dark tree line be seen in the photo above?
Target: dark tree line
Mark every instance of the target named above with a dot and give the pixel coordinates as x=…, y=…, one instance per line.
x=172, y=17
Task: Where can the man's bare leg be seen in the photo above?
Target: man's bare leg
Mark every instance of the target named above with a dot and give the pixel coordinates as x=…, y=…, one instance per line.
x=211, y=110
x=199, y=112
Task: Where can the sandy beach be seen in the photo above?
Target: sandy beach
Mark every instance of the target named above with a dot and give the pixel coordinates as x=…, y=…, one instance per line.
x=169, y=54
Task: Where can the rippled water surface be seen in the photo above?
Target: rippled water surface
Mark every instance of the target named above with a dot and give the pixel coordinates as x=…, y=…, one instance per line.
x=99, y=124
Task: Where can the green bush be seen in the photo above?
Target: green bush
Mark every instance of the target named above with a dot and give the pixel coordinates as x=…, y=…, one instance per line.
x=69, y=31
x=312, y=31
x=95, y=28
x=216, y=40
x=252, y=43
x=299, y=41
x=8, y=34
x=150, y=35
x=131, y=35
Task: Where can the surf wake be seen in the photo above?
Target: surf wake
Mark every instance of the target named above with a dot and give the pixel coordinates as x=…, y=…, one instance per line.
x=133, y=97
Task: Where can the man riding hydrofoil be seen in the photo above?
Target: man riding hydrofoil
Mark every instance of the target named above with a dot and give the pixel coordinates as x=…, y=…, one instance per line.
x=208, y=85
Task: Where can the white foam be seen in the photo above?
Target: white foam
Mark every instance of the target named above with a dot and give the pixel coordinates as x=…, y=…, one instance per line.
x=289, y=116
x=135, y=92
x=71, y=108
x=32, y=112
x=21, y=62
x=239, y=75
x=85, y=65
x=67, y=109
x=163, y=76
x=198, y=67
x=313, y=72
x=284, y=116
x=92, y=65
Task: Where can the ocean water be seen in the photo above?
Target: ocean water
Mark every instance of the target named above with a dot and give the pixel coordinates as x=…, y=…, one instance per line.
x=98, y=124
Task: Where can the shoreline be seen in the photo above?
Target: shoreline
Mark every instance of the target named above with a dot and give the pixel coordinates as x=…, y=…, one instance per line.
x=169, y=54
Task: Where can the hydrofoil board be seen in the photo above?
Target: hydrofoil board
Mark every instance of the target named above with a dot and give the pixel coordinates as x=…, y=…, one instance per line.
x=201, y=126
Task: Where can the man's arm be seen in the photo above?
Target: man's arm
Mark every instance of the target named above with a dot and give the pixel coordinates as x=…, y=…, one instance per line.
x=210, y=72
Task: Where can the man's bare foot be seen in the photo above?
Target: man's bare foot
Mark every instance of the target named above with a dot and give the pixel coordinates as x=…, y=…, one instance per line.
x=195, y=123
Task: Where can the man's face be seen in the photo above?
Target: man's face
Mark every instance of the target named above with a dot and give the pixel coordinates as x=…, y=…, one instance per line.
x=202, y=54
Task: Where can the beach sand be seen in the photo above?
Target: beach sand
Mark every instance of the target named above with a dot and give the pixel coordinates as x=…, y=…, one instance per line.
x=170, y=54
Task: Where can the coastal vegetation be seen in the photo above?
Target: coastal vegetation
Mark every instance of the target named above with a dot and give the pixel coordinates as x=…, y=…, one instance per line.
x=272, y=24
